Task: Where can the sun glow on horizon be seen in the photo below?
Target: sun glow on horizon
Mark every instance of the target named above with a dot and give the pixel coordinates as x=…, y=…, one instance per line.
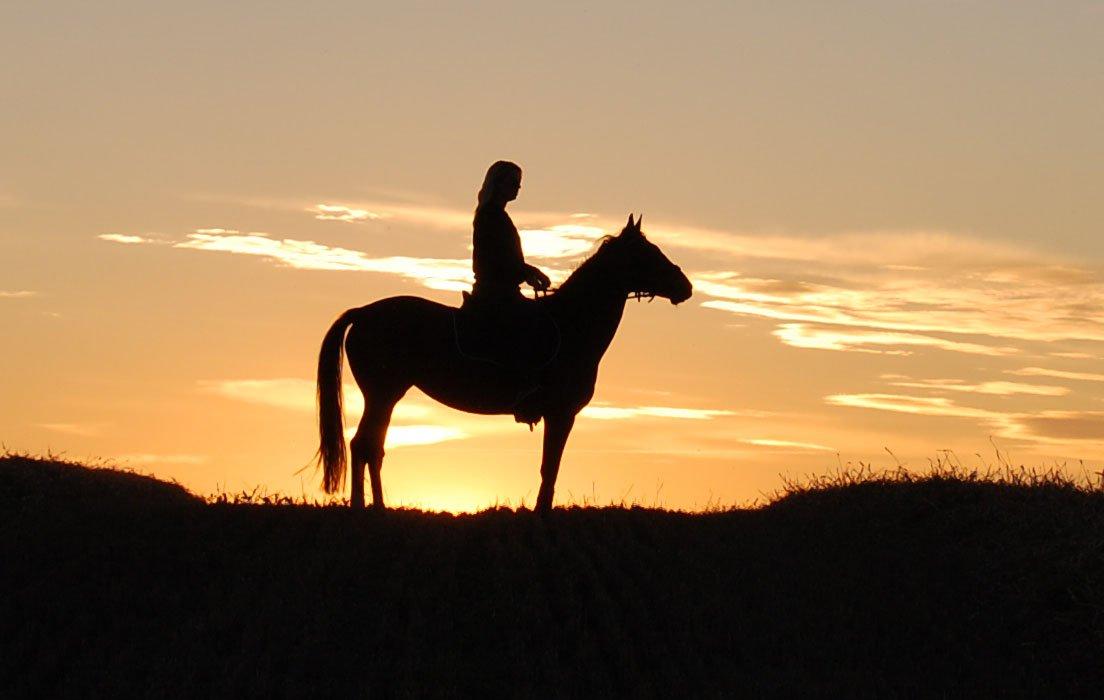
x=887, y=250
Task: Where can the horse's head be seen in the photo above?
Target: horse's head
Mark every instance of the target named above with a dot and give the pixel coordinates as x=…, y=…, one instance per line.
x=645, y=270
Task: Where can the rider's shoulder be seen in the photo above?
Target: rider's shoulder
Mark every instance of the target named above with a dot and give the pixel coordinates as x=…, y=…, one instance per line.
x=492, y=216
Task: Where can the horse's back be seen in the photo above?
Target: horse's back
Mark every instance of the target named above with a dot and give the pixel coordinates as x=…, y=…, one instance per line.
x=406, y=304
x=401, y=318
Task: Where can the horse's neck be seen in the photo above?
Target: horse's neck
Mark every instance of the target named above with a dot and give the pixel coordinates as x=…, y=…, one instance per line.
x=592, y=308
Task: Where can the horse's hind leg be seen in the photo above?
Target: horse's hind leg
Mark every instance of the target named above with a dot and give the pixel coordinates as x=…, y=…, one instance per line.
x=358, y=457
x=367, y=446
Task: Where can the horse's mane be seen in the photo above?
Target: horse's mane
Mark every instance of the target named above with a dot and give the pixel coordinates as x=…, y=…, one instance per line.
x=589, y=262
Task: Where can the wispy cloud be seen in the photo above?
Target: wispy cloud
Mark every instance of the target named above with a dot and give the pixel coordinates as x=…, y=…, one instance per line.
x=904, y=290
x=1056, y=373
x=436, y=273
x=445, y=274
x=78, y=429
x=1013, y=310
x=823, y=338
x=414, y=435
x=339, y=212
x=419, y=421
x=299, y=395
x=788, y=444
x=124, y=238
x=608, y=412
x=917, y=405
x=20, y=294
x=894, y=251
x=560, y=240
x=408, y=213
x=1067, y=425
x=1079, y=430
x=990, y=388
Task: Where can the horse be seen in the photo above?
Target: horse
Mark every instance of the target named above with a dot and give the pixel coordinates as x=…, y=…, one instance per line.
x=401, y=342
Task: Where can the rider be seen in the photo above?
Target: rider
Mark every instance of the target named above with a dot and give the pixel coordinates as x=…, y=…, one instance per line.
x=500, y=311
x=497, y=260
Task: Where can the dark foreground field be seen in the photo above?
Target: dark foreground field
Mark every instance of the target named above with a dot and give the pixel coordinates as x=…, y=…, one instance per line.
x=115, y=584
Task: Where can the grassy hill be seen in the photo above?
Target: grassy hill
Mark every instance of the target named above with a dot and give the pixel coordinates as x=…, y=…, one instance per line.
x=117, y=584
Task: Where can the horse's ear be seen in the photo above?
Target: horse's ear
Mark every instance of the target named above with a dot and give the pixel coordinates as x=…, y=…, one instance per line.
x=632, y=228
x=639, y=218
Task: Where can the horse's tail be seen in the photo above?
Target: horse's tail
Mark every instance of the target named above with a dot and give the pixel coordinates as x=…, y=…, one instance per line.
x=331, y=417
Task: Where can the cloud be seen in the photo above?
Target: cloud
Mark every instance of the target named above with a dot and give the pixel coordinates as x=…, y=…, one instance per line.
x=414, y=435
x=21, y=294
x=991, y=388
x=429, y=422
x=907, y=289
x=408, y=213
x=1000, y=297
x=608, y=412
x=1067, y=425
x=925, y=307
x=1073, y=429
x=804, y=446
x=894, y=251
x=299, y=395
x=560, y=241
x=79, y=429
x=1074, y=355
x=338, y=212
x=1058, y=374
x=123, y=238
x=917, y=405
x=435, y=273
x=801, y=335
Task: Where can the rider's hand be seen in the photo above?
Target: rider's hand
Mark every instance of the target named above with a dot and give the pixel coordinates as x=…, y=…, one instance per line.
x=537, y=279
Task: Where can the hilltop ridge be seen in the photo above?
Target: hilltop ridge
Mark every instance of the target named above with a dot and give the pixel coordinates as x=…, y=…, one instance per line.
x=917, y=585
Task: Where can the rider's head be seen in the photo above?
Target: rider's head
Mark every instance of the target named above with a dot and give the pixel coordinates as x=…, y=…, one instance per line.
x=501, y=184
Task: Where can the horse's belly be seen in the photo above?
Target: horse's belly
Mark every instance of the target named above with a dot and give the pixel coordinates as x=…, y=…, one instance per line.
x=473, y=391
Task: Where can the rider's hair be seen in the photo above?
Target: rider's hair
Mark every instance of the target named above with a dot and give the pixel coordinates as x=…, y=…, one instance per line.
x=495, y=173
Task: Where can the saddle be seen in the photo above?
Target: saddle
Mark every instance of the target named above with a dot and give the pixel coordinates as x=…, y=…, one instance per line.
x=517, y=336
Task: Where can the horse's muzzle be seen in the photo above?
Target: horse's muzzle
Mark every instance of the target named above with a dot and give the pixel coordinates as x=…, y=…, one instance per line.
x=683, y=290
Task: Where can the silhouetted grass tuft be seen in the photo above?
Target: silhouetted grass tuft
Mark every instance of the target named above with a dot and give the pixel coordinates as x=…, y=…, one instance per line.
x=862, y=582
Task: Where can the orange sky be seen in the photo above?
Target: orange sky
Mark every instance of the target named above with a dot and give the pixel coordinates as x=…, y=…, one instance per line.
x=890, y=212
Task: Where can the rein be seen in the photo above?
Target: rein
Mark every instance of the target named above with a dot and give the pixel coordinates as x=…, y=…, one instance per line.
x=638, y=295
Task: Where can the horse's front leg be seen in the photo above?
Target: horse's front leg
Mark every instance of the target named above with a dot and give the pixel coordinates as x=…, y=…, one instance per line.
x=556, y=430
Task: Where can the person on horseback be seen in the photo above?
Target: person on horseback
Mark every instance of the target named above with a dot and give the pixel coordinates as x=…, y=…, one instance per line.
x=497, y=260
x=498, y=323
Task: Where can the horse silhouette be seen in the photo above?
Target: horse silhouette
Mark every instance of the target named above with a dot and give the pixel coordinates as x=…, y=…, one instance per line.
x=400, y=342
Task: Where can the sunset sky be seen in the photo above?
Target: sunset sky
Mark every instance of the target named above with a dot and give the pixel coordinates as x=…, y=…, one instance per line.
x=891, y=213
